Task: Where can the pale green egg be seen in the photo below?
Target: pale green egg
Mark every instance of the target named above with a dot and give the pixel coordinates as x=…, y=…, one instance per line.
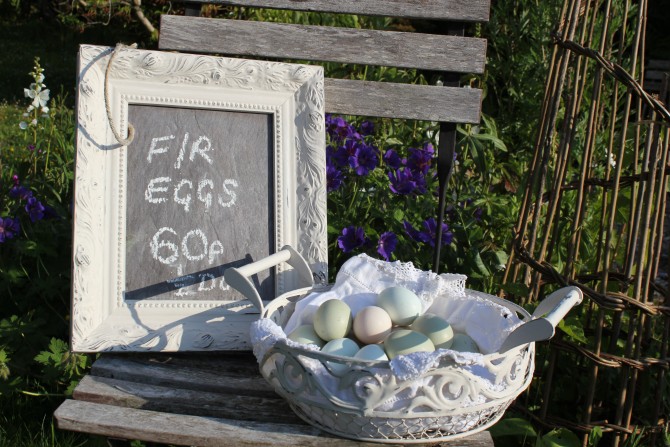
x=333, y=320
x=464, y=343
x=307, y=335
x=406, y=341
x=402, y=305
x=371, y=352
x=436, y=328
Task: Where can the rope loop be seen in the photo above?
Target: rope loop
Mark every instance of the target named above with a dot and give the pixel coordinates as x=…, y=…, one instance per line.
x=131, y=130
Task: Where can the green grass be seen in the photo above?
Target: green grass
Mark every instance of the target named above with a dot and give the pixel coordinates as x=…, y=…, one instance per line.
x=27, y=422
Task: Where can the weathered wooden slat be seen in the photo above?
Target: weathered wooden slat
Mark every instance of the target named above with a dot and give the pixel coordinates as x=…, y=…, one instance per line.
x=107, y=420
x=128, y=423
x=457, y=10
x=179, y=375
x=407, y=101
x=142, y=396
x=320, y=43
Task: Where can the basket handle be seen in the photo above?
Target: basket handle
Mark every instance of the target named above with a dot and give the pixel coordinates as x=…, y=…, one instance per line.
x=238, y=277
x=544, y=320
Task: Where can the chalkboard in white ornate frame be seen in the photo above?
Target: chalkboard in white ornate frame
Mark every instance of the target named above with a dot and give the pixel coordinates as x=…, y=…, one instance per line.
x=226, y=166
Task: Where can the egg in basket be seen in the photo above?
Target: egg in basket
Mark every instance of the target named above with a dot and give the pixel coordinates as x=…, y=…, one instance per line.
x=390, y=353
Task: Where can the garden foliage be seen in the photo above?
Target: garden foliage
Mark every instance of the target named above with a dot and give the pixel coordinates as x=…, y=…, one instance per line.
x=36, y=177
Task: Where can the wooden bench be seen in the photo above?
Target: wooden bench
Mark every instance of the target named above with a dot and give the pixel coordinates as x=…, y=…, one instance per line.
x=192, y=399
x=213, y=399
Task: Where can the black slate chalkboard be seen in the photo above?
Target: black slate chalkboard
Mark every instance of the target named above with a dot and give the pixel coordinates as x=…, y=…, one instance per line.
x=199, y=199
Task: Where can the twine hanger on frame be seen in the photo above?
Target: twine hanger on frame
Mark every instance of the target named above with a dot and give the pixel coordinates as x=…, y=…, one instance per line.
x=131, y=130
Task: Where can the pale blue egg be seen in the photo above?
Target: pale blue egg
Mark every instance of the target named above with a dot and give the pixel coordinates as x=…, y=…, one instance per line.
x=372, y=352
x=464, y=343
x=402, y=305
x=344, y=347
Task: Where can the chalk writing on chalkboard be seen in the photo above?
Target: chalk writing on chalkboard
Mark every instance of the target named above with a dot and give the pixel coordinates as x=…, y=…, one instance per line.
x=227, y=166
x=199, y=200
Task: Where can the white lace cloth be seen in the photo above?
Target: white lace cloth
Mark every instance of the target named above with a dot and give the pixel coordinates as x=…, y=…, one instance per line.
x=361, y=278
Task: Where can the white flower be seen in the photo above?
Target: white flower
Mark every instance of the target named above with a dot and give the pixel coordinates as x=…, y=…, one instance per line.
x=45, y=110
x=41, y=99
x=26, y=115
x=34, y=122
x=28, y=93
x=23, y=125
x=40, y=78
x=612, y=160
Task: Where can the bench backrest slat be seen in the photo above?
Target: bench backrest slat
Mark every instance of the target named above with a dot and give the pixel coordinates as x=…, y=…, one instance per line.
x=321, y=43
x=455, y=10
x=405, y=101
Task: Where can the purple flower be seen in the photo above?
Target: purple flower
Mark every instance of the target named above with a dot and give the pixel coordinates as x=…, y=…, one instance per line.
x=367, y=128
x=8, y=228
x=413, y=233
x=365, y=159
x=344, y=153
x=392, y=159
x=20, y=192
x=430, y=226
x=337, y=128
x=386, y=245
x=477, y=214
x=429, y=234
x=351, y=238
x=334, y=178
x=420, y=160
x=31, y=147
x=15, y=179
x=404, y=181
x=330, y=155
x=35, y=209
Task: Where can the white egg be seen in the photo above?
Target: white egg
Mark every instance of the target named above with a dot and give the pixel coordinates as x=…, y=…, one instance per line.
x=436, y=328
x=402, y=305
x=405, y=341
x=372, y=324
x=371, y=352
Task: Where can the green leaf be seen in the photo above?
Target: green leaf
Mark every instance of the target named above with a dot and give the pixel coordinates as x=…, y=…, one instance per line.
x=398, y=215
x=497, y=142
x=595, y=435
x=501, y=258
x=561, y=437
x=516, y=289
x=57, y=348
x=480, y=264
x=4, y=369
x=572, y=326
x=513, y=427
x=392, y=141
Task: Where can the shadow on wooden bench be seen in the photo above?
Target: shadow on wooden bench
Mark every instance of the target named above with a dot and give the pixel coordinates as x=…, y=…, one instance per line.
x=200, y=399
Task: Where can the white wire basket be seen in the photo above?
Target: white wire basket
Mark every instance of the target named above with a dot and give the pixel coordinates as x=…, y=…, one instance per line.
x=456, y=395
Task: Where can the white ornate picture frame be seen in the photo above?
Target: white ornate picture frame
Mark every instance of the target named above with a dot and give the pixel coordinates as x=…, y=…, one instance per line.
x=112, y=81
